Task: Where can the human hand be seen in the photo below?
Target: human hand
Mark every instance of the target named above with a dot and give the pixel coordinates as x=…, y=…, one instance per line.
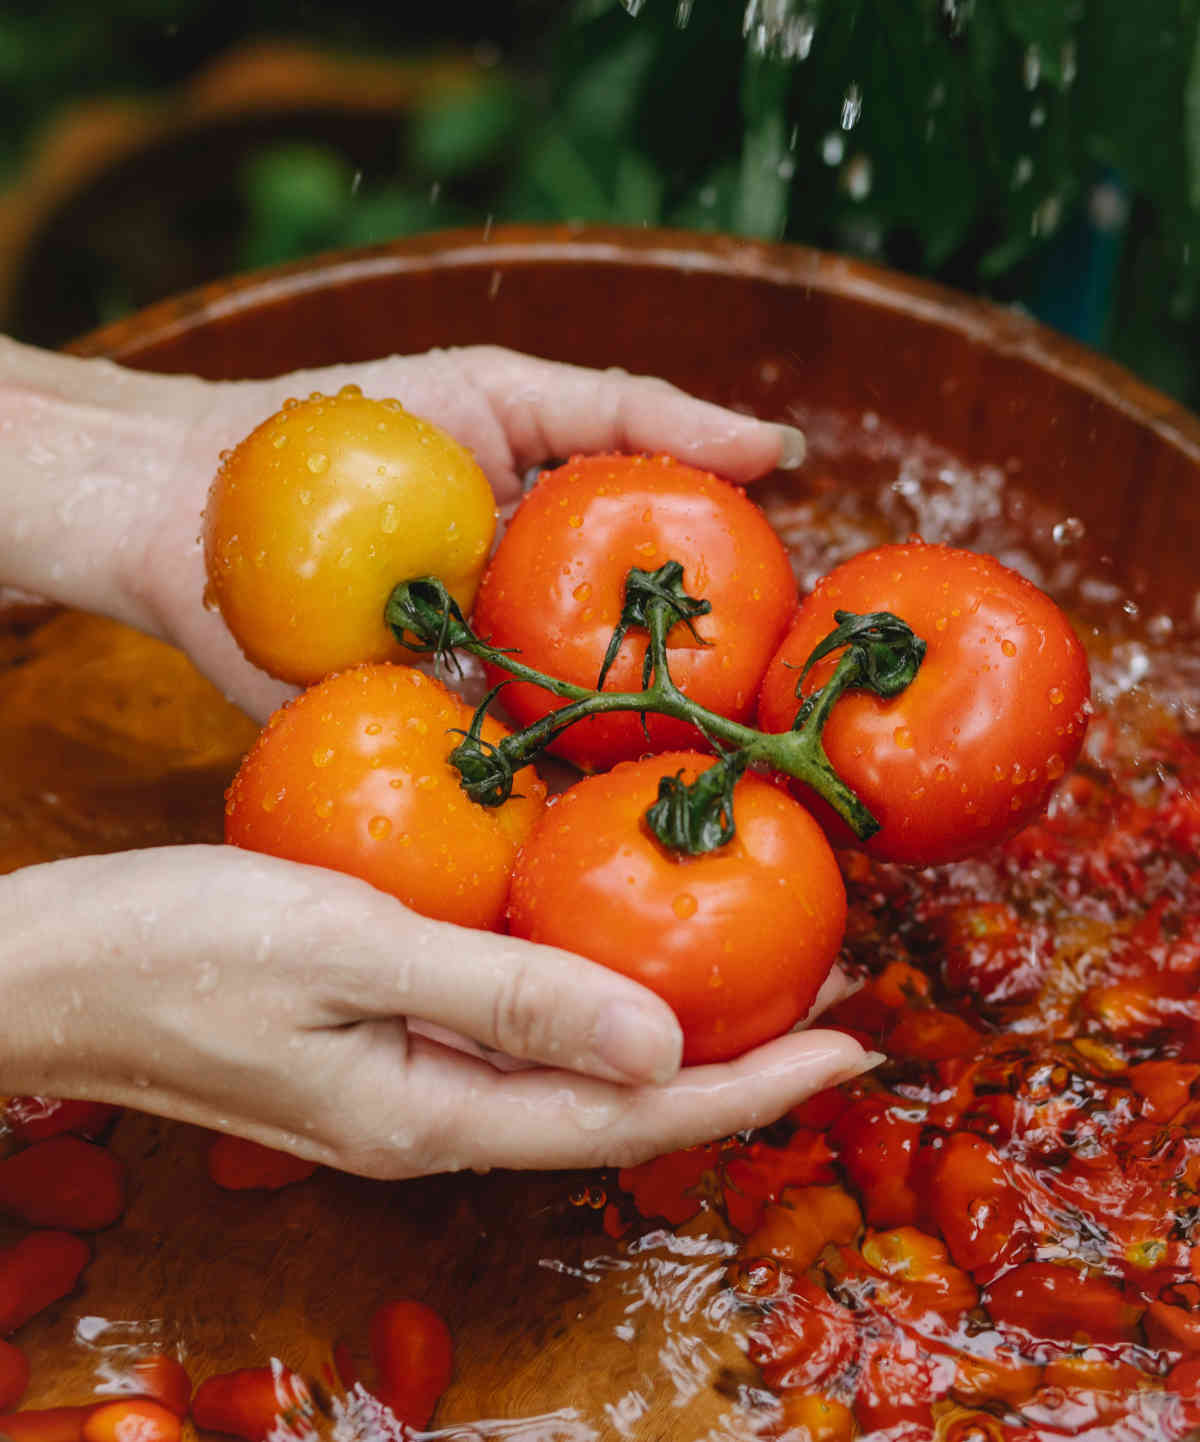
x=312, y=1013
x=108, y=469
x=511, y=411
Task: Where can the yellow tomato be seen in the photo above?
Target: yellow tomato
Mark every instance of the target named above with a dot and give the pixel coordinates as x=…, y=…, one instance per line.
x=321, y=511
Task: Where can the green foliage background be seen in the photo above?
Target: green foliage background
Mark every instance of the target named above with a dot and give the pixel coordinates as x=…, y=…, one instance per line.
x=1045, y=152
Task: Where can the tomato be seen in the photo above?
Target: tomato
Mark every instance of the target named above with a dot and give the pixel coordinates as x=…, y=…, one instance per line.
x=413, y=1353
x=63, y=1182
x=971, y=749
x=554, y=591
x=14, y=1375
x=353, y=775
x=254, y=1403
x=321, y=511
x=737, y=941
x=135, y=1420
x=239, y=1165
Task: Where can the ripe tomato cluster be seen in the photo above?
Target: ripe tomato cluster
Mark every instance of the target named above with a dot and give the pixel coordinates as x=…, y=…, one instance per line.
x=630, y=614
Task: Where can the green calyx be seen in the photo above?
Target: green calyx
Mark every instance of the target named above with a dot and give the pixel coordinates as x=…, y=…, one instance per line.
x=881, y=654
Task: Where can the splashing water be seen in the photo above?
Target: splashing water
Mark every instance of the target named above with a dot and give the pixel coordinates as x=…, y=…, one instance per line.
x=779, y=28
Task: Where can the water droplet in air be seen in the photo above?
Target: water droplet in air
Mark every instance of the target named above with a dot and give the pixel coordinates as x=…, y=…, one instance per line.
x=833, y=148
x=851, y=107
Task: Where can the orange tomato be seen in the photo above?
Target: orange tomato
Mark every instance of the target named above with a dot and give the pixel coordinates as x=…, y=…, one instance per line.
x=353, y=775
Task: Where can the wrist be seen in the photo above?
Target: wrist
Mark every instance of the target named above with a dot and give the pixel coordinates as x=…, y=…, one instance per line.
x=84, y=448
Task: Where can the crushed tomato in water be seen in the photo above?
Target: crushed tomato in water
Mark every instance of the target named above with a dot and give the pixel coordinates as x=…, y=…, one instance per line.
x=996, y=1234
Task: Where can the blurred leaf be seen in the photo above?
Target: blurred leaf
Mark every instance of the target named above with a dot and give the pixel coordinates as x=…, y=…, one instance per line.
x=463, y=130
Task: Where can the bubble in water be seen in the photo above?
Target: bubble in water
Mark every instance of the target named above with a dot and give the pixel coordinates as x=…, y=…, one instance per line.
x=1022, y=171
x=1068, y=531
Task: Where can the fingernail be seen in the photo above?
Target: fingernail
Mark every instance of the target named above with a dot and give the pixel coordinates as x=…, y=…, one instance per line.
x=792, y=448
x=638, y=1045
x=870, y=1060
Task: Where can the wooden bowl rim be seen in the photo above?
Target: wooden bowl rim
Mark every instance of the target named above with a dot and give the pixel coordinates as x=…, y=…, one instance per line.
x=1002, y=329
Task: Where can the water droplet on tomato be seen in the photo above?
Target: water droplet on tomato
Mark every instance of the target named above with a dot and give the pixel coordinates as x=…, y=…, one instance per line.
x=372, y=728
x=350, y=389
x=323, y=756
x=684, y=905
x=1055, y=767
x=324, y=808
x=1008, y=647
x=1056, y=696
x=379, y=828
x=390, y=520
x=318, y=463
x=903, y=738
x=575, y=522
x=582, y=591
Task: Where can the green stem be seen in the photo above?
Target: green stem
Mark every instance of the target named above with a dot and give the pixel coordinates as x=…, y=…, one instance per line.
x=423, y=609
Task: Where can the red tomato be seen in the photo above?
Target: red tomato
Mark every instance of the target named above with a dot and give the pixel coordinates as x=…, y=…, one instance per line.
x=354, y=775
x=14, y=1375
x=971, y=749
x=555, y=586
x=413, y=1353
x=737, y=941
x=253, y=1403
x=63, y=1183
x=240, y=1165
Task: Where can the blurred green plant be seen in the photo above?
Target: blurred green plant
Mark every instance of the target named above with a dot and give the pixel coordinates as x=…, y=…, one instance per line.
x=1045, y=152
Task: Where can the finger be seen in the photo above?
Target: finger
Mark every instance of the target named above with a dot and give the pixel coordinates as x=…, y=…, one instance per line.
x=372, y=958
x=550, y=410
x=362, y=955
x=475, y=1116
x=836, y=987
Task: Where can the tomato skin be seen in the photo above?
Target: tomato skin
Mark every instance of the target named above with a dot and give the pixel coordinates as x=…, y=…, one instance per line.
x=971, y=749
x=737, y=941
x=325, y=507
x=353, y=775
x=555, y=587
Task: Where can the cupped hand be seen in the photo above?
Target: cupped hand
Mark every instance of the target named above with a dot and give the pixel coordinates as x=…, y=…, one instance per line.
x=310, y=1012
x=512, y=411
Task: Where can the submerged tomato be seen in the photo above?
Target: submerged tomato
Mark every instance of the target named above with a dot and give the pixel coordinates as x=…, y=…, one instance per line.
x=354, y=775
x=321, y=511
x=737, y=941
x=554, y=590
x=971, y=750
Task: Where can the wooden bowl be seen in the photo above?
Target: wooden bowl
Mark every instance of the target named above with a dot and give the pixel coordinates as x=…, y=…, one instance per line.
x=553, y=1320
